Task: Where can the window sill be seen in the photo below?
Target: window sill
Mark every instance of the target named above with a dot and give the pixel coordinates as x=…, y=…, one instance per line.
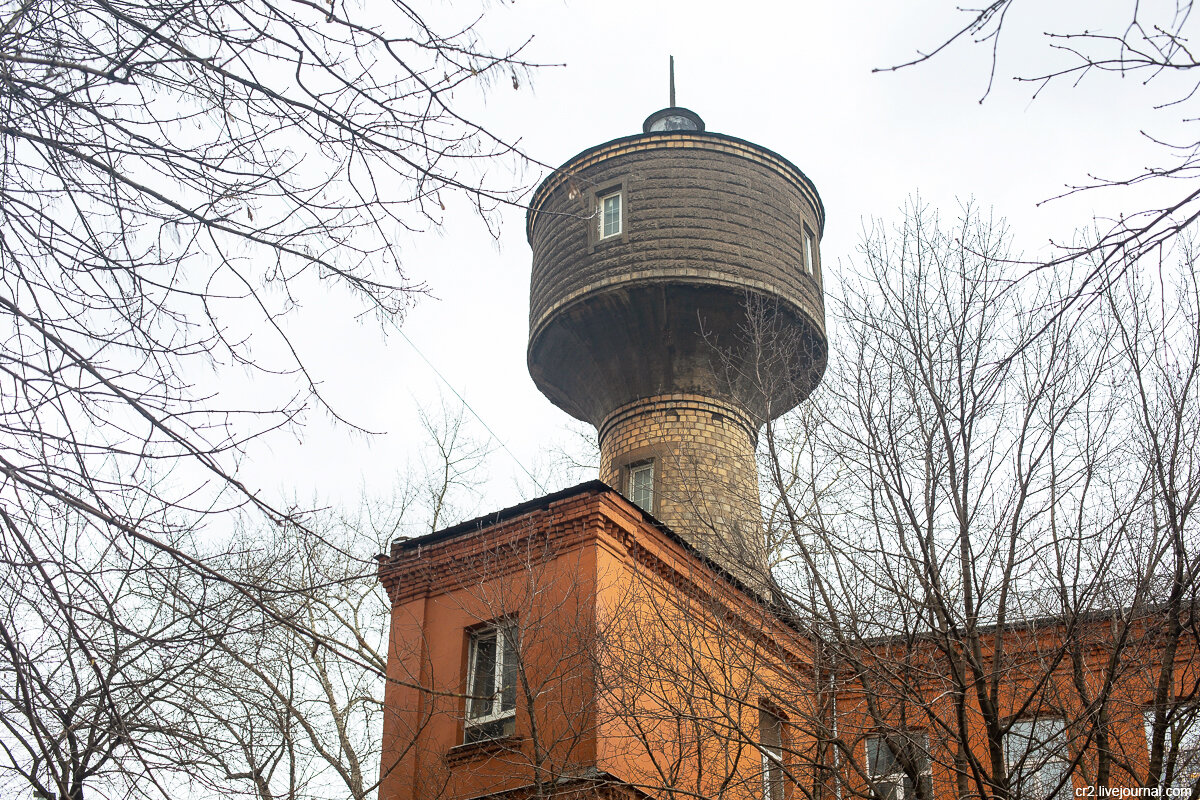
x=487, y=747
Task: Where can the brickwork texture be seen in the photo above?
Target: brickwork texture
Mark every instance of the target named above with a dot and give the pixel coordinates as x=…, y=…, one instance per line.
x=705, y=482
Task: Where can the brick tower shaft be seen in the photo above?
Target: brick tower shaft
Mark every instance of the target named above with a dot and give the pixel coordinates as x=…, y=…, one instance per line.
x=704, y=480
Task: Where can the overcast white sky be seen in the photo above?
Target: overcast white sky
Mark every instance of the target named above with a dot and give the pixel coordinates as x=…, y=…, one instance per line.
x=794, y=77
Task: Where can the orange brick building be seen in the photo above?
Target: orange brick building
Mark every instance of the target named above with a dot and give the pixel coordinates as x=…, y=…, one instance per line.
x=1044, y=708
x=574, y=645
x=620, y=638
x=632, y=664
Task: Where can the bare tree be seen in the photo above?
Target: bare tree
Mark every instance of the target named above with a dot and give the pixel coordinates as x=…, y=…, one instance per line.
x=972, y=520
x=1158, y=327
x=93, y=655
x=292, y=710
x=1150, y=42
x=174, y=174
x=177, y=177
x=288, y=703
x=129, y=671
x=452, y=468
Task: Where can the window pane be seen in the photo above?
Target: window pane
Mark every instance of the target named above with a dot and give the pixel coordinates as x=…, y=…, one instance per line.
x=773, y=780
x=483, y=673
x=492, y=691
x=1036, y=740
x=508, y=672
x=886, y=761
x=1036, y=752
x=770, y=736
x=610, y=215
x=1054, y=781
x=883, y=753
x=889, y=790
x=641, y=486
x=772, y=731
x=916, y=749
x=808, y=252
x=880, y=759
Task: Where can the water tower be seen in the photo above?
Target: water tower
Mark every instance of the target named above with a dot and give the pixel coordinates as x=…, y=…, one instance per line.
x=676, y=305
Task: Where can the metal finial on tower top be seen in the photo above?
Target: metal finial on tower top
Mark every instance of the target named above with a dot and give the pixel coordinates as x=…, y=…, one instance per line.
x=672, y=82
x=672, y=118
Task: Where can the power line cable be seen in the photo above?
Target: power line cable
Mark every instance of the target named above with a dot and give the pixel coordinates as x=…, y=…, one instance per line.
x=467, y=405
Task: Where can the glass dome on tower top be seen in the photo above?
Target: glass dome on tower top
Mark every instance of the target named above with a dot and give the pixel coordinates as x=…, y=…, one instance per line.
x=674, y=118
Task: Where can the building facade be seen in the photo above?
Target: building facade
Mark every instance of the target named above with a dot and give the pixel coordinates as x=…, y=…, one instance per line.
x=574, y=644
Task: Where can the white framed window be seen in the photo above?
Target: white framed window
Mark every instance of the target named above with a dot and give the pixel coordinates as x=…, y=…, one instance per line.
x=491, y=683
x=810, y=247
x=1035, y=751
x=886, y=768
x=1181, y=746
x=770, y=744
x=641, y=485
x=609, y=214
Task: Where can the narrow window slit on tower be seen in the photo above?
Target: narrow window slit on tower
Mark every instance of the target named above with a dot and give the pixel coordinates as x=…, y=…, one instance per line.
x=809, y=246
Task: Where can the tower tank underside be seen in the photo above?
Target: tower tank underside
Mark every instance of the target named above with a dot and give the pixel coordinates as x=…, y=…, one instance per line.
x=653, y=337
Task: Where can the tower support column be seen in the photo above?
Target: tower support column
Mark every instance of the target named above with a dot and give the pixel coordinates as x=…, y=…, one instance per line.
x=700, y=451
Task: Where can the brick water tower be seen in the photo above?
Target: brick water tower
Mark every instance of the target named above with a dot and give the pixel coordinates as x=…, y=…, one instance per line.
x=676, y=305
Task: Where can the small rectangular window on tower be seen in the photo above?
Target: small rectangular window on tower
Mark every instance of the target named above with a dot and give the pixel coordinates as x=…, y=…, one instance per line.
x=641, y=485
x=491, y=683
x=610, y=215
x=809, y=245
